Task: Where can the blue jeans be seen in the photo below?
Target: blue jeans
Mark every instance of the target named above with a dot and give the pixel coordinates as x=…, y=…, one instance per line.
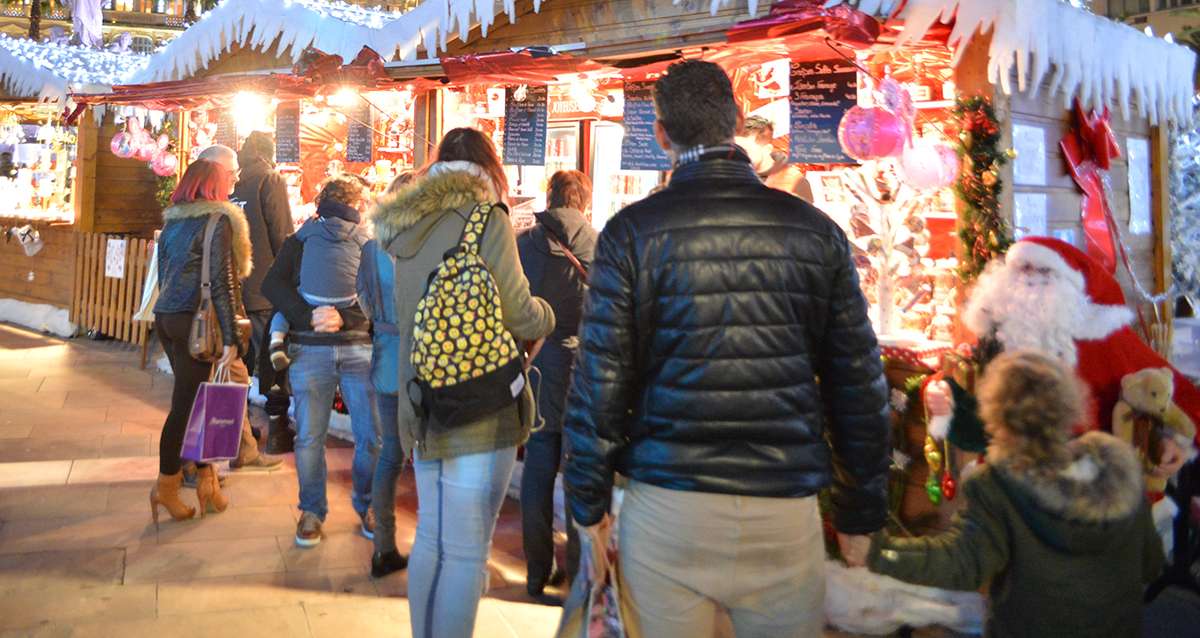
x=316, y=371
x=387, y=471
x=459, y=500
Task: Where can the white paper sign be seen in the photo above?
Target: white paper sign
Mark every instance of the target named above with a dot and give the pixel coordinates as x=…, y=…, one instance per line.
x=1029, y=167
x=1137, y=151
x=114, y=259
x=1030, y=215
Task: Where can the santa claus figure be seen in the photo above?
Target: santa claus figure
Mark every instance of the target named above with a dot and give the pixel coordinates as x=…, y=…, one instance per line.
x=1049, y=296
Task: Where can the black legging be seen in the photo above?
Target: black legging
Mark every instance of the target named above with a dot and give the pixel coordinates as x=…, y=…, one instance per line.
x=173, y=329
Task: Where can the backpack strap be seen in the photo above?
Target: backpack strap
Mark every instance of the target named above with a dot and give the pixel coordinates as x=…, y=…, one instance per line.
x=477, y=221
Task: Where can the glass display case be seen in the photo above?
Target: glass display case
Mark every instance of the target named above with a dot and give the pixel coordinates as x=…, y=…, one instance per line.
x=613, y=188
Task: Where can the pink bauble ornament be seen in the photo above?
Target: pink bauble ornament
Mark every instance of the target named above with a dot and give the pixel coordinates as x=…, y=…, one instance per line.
x=122, y=145
x=929, y=165
x=163, y=142
x=145, y=144
x=165, y=164
x=871, y=133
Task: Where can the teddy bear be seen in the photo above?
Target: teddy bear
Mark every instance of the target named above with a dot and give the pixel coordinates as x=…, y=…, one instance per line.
x=1147, y=414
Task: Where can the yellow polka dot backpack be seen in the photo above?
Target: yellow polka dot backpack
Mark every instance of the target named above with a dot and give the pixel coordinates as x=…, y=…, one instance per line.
x=467, y=363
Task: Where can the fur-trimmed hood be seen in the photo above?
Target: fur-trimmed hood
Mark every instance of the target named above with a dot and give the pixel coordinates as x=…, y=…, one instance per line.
x=427, y=197
x=242, y=253
x=1075, y=507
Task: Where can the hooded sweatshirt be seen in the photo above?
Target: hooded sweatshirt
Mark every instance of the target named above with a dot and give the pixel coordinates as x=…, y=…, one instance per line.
x=318, y=266
x=1064, y=553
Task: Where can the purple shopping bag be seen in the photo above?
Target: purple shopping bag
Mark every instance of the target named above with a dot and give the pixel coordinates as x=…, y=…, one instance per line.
x=214, y=429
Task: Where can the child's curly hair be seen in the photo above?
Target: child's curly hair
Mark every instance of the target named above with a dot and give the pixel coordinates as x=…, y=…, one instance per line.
x=346, y=188
x=1030, y=403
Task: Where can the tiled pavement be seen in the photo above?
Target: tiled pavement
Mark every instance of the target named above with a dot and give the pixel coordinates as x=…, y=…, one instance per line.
x=79, y=555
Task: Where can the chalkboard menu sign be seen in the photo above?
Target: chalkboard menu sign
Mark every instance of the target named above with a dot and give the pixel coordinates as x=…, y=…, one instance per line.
x=360, y=137
x=226, y=134
x=639, y=148
x=287, y=132
x=525, y=119
x=821, y=93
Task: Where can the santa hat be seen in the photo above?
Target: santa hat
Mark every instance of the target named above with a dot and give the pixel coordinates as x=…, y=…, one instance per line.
x=1108, y=309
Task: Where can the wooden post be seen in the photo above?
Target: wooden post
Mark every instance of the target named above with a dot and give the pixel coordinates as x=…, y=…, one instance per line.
x=427, y=126
x=88, y=135
x=184, y=146
x=1160, y=215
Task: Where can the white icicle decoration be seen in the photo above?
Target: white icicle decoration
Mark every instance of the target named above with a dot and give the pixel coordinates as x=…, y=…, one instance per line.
x=1083, y=55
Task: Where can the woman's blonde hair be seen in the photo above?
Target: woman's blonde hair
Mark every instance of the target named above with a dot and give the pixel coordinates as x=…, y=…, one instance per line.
x=1030, y=403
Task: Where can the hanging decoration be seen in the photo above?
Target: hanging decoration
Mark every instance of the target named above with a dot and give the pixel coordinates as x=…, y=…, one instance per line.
x=871, y=133
x=929, y=164
x=1089, y=148
x=165, y=162
x=983, y=232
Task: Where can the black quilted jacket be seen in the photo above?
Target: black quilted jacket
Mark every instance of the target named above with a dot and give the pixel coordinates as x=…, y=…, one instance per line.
x=726, y=349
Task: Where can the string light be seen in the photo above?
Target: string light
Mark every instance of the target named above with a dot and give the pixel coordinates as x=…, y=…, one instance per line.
x=77, y=66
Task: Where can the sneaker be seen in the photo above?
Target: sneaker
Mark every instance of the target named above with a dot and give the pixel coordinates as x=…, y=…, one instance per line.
x=279, y=356
x=261, y=463
x=308, y=530
x=368, y=524
x=389, y=563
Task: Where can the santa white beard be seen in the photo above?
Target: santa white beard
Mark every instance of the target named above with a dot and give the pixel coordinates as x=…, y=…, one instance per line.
x=1029, y=312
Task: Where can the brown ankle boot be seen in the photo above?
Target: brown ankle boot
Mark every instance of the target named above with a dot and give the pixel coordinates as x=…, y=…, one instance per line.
x=208, y=491
x=166, y=493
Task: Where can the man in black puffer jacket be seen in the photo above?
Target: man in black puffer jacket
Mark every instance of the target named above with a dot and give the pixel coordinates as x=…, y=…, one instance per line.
x=727, y=368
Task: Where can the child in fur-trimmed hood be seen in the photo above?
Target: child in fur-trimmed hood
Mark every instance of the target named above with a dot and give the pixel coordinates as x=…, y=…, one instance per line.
x=1058, y=529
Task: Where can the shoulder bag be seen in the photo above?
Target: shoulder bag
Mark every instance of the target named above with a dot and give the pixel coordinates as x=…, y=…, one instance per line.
x=205, y=342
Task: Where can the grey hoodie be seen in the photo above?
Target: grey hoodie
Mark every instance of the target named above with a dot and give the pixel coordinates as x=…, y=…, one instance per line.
x=329, y=268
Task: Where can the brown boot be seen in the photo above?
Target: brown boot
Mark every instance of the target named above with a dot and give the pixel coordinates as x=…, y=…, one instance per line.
x=208, y=491
x=166, y=493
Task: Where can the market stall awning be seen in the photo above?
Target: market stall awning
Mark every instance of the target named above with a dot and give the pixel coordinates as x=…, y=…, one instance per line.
x=51, y=72
x=279, y=26
x=1085, y=56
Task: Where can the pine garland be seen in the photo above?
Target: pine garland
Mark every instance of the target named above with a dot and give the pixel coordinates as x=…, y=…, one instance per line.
x=982, y=230
x=166, y=185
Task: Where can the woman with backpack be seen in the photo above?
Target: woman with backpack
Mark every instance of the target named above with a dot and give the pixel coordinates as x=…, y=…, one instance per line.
x=462, y=305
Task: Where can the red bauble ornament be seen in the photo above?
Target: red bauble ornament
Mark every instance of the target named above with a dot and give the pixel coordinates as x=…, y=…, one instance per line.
x=949, y=486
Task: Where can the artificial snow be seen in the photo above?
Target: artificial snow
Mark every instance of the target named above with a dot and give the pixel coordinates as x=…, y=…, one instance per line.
x=40, y=317
x=51, y=72
x=859, y=601
x=279, y=26
x=1085, y=56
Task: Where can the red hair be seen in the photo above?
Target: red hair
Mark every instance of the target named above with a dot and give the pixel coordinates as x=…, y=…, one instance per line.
x=203, y=180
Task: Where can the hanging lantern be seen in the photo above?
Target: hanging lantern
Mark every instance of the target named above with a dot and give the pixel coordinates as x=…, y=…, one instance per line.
x=929, y=165
x=871, y=133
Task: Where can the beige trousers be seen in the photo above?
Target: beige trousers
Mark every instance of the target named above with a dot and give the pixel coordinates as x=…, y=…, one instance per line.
x=689, y=558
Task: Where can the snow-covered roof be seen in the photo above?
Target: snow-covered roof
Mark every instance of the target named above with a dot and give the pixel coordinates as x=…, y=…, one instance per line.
x=1085, y=56
x=330, y=26
x=51, y=72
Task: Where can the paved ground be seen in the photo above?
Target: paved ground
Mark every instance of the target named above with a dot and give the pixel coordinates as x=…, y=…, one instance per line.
x=79, y=555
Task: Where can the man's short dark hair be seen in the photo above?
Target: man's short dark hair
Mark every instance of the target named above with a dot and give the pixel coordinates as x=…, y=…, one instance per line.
x=695, y=104
x=569, y=189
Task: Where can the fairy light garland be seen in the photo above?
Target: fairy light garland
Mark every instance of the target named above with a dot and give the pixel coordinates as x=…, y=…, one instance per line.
x=75, y=67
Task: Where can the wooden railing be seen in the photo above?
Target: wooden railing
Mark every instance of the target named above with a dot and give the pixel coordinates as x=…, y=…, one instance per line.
x=107, y=304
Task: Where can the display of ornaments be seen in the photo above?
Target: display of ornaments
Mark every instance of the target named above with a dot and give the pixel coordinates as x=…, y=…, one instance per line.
x=929, y=165
x=870, y=133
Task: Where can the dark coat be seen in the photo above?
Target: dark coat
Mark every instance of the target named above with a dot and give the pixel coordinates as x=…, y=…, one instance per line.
x=553, y=278
x=180, y=256
x=262, y=194
x=1064, y=553
x=715, y=306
